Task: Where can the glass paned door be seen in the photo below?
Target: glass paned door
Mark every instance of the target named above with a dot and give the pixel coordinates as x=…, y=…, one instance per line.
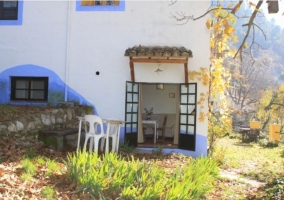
x=187, y=116
x=131, y=113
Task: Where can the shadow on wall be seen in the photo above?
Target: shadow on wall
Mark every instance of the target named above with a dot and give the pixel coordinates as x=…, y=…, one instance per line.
x=56, y=87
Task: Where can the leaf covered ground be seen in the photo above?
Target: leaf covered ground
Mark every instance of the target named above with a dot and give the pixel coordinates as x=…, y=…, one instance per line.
x=237, y=181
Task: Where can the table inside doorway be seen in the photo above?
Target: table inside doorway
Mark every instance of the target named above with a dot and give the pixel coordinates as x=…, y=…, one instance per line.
x=155, y=123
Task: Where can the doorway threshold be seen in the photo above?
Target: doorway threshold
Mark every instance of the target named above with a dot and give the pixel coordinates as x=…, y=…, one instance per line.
x=168, y=143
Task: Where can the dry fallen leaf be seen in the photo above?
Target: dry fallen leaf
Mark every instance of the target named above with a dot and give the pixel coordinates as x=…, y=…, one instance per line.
x=3, y=190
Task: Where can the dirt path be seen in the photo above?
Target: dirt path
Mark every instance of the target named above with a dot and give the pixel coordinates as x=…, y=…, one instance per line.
x=234, y=175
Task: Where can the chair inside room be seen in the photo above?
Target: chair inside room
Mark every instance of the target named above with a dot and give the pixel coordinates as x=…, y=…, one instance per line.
x=94, y=132
x=163, y=128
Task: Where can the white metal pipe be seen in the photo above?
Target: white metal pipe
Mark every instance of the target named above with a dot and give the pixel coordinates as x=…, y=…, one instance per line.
x=67, y=50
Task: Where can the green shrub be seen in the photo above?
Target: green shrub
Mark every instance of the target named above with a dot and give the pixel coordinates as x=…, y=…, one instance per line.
x=40, y=160
x=218, y=155
x=52, y=166
x=112, y=177
x=282, y=153
x=275, y=189
x=126, y=148
x=26, y=177
x=48, y=193
x=28, y=166
x=193, y=181
x=158, y=151
x=266, y=143
x=30, y=154
x=263, y=142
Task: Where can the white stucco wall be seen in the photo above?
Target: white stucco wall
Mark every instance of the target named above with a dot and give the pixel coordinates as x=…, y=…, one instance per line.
x=109, y=34
x=40, y=40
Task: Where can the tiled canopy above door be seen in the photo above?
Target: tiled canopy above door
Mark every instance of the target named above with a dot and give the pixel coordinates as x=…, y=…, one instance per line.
x=158, y=51
x=158, y=54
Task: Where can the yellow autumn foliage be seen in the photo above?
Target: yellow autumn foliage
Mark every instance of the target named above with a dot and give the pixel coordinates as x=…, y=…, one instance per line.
x=217, y=77
x=229, y=30
x=208, y=23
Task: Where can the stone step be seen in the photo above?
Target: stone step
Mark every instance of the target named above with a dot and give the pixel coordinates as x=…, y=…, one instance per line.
x=60, y=139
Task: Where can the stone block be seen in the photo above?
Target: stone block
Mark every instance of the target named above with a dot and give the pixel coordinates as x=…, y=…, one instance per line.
x=58, y=138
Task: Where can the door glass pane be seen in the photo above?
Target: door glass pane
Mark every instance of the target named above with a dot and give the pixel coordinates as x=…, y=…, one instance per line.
x=134, y=118
x=191, y=98
x=191, y=89
x=128, y=128
x=37, y=84
x=182, y=129
x=190, y=130
x=129, y=87
x=10, y=4
x=129, y=97
x=129, y=107
x=183, y=109
x=135, y=87
x=190, y=119
x=183, y=119
x=191, y=110
x=135, y=107
x=128, y=117
x=135, y=97
x=183, y=89
x=134, y=128
x=22, y=84
x=22, y=94
x=183, y=98
x=37, y=95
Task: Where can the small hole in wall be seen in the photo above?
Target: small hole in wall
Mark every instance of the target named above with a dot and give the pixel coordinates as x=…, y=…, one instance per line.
x=97, y=73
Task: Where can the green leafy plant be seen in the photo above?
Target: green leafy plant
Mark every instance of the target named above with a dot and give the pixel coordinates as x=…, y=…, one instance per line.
x=263, y=142
x=275, y=189
x=30, y=154
x=28, y=166
x=282, y=153
x=126, y=148
x=29, y=169
x=193, y=181
x=110, y=177
x=158, y=151
x=52, y=166
x=48, y=193
x=26, y=177
x=218, y=155
x=266, y=143
x=41, y=160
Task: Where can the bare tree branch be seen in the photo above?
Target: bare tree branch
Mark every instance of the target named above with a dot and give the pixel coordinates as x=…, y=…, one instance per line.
x=250, y=23
x=236, y=8
x=260, y=30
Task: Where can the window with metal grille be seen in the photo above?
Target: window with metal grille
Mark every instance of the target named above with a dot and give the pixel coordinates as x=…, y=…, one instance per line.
x=29, y=88
x=101, y=5
x=8, y=10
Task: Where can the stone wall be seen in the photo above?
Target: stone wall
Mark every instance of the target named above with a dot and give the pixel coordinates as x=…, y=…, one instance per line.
x=56, y=118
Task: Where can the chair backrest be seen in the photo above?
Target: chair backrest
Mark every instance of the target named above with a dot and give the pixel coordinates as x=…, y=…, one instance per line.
x=254, y=125
x=164, y=123
x=94, y=124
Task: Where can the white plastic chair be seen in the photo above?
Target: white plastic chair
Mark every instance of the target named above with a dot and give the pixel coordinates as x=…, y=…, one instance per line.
x=94, y=132
x=113, y=131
